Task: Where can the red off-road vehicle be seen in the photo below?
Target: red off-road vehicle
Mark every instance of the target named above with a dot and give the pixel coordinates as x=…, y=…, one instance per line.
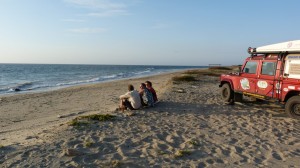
x=270, y=73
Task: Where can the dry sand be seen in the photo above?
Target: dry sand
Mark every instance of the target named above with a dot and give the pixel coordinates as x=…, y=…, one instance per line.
x=189, y=127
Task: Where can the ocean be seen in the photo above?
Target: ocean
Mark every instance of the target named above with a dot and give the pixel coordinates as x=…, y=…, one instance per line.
x=24, y=78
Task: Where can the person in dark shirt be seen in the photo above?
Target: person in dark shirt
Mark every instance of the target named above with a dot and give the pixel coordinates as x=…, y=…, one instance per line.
x=150, y=88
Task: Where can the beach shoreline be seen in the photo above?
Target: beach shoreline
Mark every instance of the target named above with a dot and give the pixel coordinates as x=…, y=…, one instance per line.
x=189, y=127
x=18, y=109
x=34, y=78
x=93, y=83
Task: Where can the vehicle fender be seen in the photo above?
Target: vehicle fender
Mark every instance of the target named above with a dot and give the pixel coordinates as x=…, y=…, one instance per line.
x=291, y=94
x=229, y=81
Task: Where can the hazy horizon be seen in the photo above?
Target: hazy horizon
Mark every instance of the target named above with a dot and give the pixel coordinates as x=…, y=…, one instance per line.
x=109, y=64
x=140, y=32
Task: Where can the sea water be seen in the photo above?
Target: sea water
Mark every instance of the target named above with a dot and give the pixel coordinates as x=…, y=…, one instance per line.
x=22, y=78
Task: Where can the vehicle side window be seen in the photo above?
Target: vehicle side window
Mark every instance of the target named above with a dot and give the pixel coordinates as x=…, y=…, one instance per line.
x=250, y=67
x=268, y=68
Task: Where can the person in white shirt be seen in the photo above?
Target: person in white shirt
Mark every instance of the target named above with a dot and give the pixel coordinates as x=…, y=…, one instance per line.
x=130, y=100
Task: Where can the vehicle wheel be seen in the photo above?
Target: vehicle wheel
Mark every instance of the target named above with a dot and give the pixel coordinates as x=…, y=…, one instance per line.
x=226, y=93
x=292, y=107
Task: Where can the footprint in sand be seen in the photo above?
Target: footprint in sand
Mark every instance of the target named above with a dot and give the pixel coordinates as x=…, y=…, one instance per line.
x=233, y=141
x=278, y=155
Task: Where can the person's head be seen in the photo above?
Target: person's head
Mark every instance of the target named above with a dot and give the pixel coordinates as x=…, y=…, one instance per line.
x=148, y=84
x=143, y=86
x=130, y=87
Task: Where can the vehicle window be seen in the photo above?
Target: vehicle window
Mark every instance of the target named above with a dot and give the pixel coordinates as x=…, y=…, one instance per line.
x=268, y=68
x=250, y=67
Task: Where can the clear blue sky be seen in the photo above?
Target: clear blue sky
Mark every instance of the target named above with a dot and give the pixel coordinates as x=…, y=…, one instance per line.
x=142, y=32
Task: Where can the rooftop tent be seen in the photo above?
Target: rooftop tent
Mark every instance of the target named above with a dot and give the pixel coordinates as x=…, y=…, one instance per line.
x=290, y=47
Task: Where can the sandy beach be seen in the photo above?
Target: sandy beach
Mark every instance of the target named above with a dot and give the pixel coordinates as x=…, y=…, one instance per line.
x=189, y=127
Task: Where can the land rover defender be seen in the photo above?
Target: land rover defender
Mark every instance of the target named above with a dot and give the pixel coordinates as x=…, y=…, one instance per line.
x=271, y=72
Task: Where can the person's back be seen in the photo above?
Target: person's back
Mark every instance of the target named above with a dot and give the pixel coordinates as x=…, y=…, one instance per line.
x=134, y=99
x=131, y=99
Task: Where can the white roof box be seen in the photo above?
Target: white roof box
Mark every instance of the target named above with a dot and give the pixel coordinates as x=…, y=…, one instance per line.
x=290, y=47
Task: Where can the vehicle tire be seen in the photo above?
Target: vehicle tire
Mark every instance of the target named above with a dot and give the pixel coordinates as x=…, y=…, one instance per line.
x=227, y=93
x=292, y=107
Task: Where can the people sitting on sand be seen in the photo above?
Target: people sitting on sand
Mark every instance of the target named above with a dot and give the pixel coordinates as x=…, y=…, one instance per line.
x=146, y=96
x=150, y=88
x=130, y=100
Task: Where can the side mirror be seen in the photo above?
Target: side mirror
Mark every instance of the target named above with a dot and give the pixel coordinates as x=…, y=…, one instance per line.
x=247, y=70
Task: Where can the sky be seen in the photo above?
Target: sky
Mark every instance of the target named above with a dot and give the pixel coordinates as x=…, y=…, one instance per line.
x=142, y=32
